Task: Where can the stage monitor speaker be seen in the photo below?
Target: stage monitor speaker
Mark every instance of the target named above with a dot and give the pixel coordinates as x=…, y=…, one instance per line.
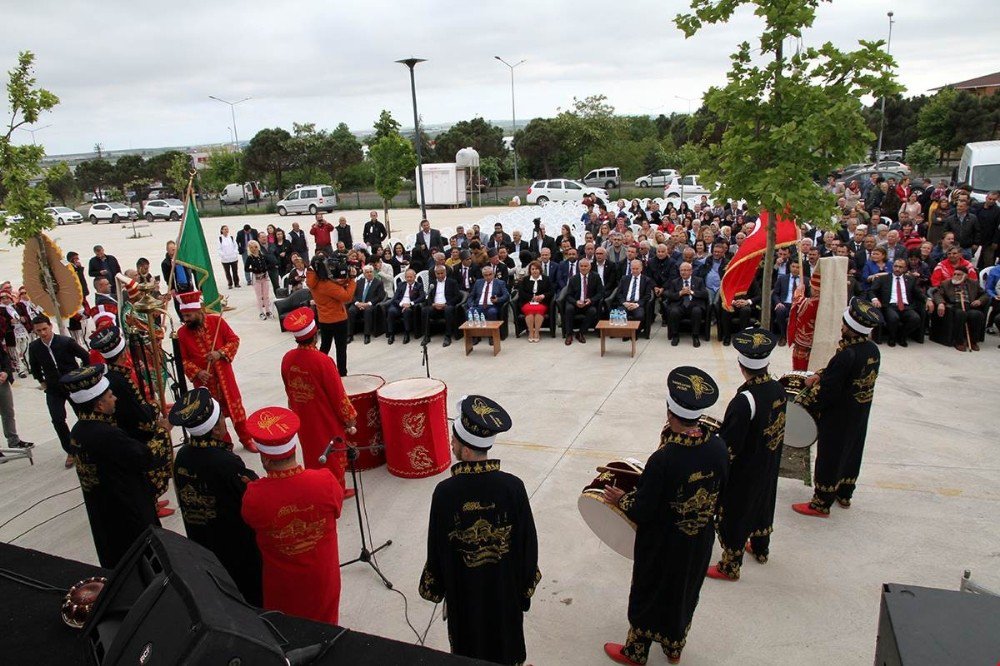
x=170, y=601
x=923, y=626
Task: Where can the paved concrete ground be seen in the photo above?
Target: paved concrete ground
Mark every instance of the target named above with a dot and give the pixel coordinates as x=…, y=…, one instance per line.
x=926, y=507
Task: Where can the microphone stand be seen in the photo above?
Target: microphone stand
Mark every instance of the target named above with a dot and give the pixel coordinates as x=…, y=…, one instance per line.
x=366, y=554
x=425, y=359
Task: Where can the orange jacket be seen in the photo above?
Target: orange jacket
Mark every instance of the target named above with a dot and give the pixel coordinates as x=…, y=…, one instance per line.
x=330, y=297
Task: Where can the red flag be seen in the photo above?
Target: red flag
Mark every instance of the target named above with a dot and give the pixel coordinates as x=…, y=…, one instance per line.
x=743, y=267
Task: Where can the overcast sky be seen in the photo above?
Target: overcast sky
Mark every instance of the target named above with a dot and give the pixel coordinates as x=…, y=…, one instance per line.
x=138, y=74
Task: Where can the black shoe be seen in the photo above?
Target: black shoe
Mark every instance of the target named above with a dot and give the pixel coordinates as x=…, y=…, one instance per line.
x=368, y=339
x=406, y=338
x=581, y=338
x=447, y=341
x=350, y=339
x=23, y=445
x=725, y=340
x=904, y=343
x=425, y=341
x=695, y=341
x=3, y=458
x=674, y=341
x=663, y=323
x=390, y=339
x=475, y=341
x=569, y=340
x=892, y=343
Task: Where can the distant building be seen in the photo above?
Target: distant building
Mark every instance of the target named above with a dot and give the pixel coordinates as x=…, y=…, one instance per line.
x=981, y=85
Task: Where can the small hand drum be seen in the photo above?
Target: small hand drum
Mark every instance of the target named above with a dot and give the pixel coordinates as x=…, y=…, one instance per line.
x=80, y=600
x=801, y=416
x=607, y=520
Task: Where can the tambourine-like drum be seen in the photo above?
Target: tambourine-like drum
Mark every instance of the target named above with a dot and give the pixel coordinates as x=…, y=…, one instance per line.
x=415, y=427
x=607, y=520
x=801, y=415
x=361, y=389
x=79, y=601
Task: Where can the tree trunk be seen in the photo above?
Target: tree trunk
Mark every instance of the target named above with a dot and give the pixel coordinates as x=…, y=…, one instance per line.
x=385, y=215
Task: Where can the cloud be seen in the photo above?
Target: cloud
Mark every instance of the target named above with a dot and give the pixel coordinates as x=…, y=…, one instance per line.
x=136, y=75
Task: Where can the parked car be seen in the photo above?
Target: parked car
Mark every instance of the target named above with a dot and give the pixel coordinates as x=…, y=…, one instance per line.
x=891, y=155
x=891, y=165
x=658, y=178
x=308, y=199
x=865, y=174
x=542, y=191
x=683, y=187
x=111, y=211
x=849, y=169
x=167, y=209
x=64, y=215
x=10, y=219
x=606, y=177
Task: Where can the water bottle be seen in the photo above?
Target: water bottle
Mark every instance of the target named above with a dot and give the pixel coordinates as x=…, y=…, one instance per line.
x=468, y=315
x=479, y=317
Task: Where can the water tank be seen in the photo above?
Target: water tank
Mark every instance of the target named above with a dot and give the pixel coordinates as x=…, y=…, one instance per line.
x=467, y=157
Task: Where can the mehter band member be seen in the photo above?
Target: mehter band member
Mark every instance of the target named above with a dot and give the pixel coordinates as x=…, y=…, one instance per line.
x=208, y=347
x=754, y=432
x=136, y=414
x=113, y=468
x=844, y=400
x=482, y=549
x=316, y=394
x=672, y=507
x=294, y=513
x=210, y=481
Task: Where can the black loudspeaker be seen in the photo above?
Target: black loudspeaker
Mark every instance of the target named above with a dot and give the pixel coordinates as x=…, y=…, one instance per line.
x=920, y=626
x=170, y=601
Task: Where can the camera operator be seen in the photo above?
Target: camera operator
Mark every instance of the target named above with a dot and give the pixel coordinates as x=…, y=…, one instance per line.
x=331, y=281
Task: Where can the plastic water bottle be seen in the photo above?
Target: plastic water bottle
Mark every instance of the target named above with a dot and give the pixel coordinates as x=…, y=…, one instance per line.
x=468, y=315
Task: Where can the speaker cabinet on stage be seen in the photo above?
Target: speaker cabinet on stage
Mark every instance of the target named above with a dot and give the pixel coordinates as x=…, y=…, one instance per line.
x=170, y=601
x=920, y=626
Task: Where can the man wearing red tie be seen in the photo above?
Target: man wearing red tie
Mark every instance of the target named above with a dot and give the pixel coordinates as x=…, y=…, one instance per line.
x=583, y=293
x=899, y=298
x=316, y=394
x=489, y=294
x=294, y=513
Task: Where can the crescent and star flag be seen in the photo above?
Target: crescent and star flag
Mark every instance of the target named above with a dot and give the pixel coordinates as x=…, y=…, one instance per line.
x=192, y=252
x=743, y=266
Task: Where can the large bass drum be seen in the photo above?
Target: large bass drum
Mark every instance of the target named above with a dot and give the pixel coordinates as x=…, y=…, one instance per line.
x=362, y=389
x=415, y=427
x=801, y=415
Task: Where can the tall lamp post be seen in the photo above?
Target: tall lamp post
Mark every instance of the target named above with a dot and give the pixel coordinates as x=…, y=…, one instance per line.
x=881, y=127
x=411, y=63
x=513, y=114
x=32, y=132
x=236, y=134
x=686, y=99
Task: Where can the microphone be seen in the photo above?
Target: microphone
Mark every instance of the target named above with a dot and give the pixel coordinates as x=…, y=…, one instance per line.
x=329, y=447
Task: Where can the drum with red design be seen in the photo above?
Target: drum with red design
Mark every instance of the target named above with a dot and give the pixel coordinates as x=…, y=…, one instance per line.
x=415, y=427
x=362, y=389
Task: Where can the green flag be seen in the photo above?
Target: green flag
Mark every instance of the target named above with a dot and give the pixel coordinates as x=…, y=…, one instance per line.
x=192, y=252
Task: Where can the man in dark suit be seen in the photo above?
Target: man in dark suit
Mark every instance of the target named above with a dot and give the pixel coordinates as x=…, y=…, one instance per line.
x=900, y=301
x=498, y=240
x=862, y=256
x=584, y=292
x=567, y=270
x=344, y=233
x=635, y=291
x=427, y=239
x=744, y=308
x=297, y=237
x=550, y=268
x=443, y=297
x=782, y=296
x=408, y=297
x=540, y=240
x=374, y=232
x=368, y=293
x=604, y=269
x=465, y=273
x=104, y=265
x=51, y=356
x=685, y=298
x=489, y=294
x=500, y=270
x=518, y=245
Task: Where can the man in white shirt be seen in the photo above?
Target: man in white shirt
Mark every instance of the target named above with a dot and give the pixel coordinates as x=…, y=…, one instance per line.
x=900, y=300
x=409, y=295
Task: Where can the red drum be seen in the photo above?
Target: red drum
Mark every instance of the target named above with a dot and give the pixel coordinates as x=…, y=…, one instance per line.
x=415, y=427
x=361, y=389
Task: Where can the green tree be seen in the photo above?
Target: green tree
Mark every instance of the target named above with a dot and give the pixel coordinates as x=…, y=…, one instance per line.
x=222, y=168
x=268, y=153
x=128, y=169
x=386, y=125
x=486, y=138
x=921, y=156
x=158, y=167
x=344, y=150
x=393, y=159
x=786, y=118
x=60, y=183
x=307, y=148
x=491, y=169
x=656, y=158
x=179, y=174
x=540, y=148
x=94, y=175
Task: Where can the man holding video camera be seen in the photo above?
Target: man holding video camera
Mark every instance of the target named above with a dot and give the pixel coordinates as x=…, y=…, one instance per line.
x=331, y=281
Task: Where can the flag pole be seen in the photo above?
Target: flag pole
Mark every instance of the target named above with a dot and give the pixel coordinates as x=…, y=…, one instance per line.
x=171, y=281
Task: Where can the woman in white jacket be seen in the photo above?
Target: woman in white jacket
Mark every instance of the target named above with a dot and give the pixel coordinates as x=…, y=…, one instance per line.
x=230, y=256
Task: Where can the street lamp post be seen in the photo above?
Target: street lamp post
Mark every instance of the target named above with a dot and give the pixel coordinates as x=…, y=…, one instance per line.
x=236, y=134
x=881, y=127
x=32, y=132
x=411, y=63
x=686, y=99
x=513, y=114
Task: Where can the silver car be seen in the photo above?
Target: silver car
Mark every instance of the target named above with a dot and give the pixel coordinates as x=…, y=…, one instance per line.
x=64, y=215
x=308, y=199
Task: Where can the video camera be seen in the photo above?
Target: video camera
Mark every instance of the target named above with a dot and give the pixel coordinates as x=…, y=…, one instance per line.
x=333, y=267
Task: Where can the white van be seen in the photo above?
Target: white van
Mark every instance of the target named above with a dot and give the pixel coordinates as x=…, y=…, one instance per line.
x=980, y=168
x=308, y=199
x=605, y=177
x=235, y=193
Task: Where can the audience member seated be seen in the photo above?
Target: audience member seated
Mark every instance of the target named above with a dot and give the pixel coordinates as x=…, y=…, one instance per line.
x=604, y=269
x=567, y=270
x=686, y=299
x=945, y=269
x=409, y=295
x=584, y=292
x=635, y=293
x=962, y=299
x=536, y=297
x=782, y=296
x=901, y=300
x=489, y=294
x=368, y=293
x=741, y=310
x=443, y=297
